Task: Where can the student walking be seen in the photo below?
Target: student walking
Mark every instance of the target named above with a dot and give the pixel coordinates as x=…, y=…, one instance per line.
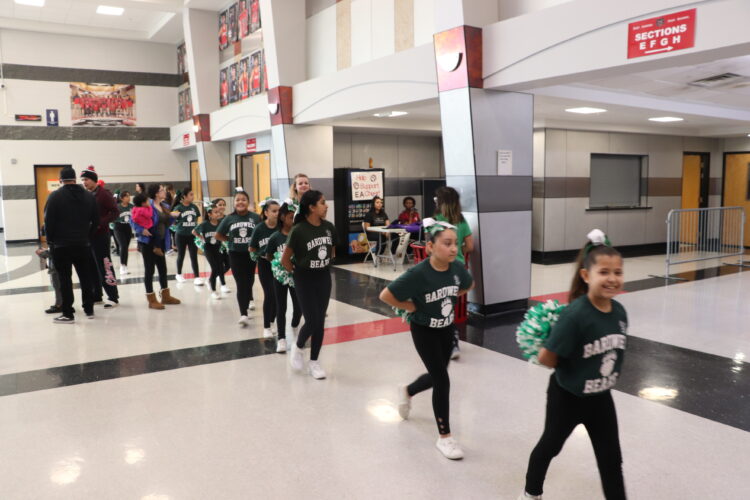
x=122, y=230
x=212, y=248
x=186, y=216
x=312, y=244
x=429, y=291
x=585, y=348
x=258, y=245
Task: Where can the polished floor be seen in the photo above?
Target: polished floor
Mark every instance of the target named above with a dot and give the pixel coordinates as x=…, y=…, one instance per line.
x=185, y=404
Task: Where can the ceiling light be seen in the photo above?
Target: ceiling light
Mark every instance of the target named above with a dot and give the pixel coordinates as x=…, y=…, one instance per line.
x=658, y=393
x=665, y=119
x=586, y=111
x=390, y=114
x=109, y=11
x=31, y=3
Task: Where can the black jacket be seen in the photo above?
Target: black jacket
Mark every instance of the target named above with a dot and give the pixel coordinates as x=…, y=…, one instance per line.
x=70, y=216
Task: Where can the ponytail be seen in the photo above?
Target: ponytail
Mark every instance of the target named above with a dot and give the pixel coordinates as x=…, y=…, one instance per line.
x=308, y=199
x=597, y=245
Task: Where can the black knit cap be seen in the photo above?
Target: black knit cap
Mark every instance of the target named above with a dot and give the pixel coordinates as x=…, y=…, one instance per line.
x=90, y=173
x=67, y=173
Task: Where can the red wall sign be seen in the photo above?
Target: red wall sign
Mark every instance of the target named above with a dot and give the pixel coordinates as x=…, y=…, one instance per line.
x=186, y=140
x=662, y=34
x=250, y=145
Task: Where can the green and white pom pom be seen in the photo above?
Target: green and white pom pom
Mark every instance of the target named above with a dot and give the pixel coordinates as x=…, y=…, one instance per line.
x=536, y=326
x=405, y=315
x=254, y=256
x=279, y=272
x=199, y=243
x=225, y=247
x=173, y=228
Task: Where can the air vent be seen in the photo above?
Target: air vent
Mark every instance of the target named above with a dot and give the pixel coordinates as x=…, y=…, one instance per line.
x=722, y=80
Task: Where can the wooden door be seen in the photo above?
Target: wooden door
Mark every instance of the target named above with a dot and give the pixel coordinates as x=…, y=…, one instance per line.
x=691, y=181
x=736, y=189
x=261, y=177
x=195, y=182
x=47, y=179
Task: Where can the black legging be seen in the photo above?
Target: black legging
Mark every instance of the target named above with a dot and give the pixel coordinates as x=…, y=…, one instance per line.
x=123, y=235
x=313, y=289
x=266, y=281
x=216, y=261
x=434, y=346
x=243, y=270
x=280, y=292
x=151, y=261
x=564, y=412
x=187, y=241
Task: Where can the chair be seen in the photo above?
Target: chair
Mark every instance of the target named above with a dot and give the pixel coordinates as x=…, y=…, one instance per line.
x=370, y=248
x=403, y=244
x=419, y=252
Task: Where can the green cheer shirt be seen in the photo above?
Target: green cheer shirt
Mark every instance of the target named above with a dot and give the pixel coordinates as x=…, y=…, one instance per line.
x=463, y=230
x=312, y=245
x=260, y=237
x=276, y=243
x=433, y=292
x=188, y=218
x=124, y=217
x=208, y=231
x=590, y=346
x=238, y=229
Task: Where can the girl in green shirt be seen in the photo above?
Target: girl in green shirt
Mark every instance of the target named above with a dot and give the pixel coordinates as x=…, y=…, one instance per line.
x=585, y=348
x=429, y=291
x=212, y=248
x=186, y=215
x=122, y=230
x=258, y=243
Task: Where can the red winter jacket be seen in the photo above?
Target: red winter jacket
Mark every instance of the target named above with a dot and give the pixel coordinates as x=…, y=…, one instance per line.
x=107, y=207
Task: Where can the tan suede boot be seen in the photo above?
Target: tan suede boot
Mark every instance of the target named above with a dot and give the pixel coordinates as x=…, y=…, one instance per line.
x=167, y=299
x=152, y=302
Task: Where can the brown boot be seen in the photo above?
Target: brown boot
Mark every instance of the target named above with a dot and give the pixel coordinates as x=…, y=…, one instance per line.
x=166, y=298
x=152, y=302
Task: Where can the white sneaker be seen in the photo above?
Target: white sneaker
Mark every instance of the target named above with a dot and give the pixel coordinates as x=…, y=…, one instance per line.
x=317, y=371
x=215, y=296
x=267, y=333
x=526, y=496
x=456, y=353
x=252, y=305
x=198, y=282
x=110, y=304
x=404, y=402
x=296, y=360
x=243, y=321
x=449, y=448
x=180, y=278
x=225, y=289
x=281, y=345
x=124, y=270
x=274, y=330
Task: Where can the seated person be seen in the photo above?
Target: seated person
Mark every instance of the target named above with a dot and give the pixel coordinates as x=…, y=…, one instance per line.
x=377, y=217
x=410, y=214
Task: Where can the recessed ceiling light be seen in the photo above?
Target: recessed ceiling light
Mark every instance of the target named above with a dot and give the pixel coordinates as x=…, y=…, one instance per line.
x=586, y=111
x=664, y=119
x=109, y=11
x=31, y=3
x=390, y=114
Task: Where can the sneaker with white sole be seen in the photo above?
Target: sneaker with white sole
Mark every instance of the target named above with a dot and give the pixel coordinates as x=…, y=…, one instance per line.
x=124, y=270
x=449, y=448
x=296, y=360
x=317, y=371
x=198, y=282
x=251, y=306
x=243, y=321
x=64, y=320
x=110, y=304
x=404, y=402
x=180, y=278
x=281, y=345
x=267, y=333
x=456, y=353
x=225, y=289
x=526, y=496
x=215, y=296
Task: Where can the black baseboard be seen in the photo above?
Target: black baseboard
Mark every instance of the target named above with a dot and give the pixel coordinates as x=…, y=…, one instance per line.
x=490, y=310
x=565, y=256
x=21, y=242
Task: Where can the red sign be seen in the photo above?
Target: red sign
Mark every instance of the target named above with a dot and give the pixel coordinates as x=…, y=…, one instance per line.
x=28, y=118
x=250, y=145
x=186, y=140
x=662, y=34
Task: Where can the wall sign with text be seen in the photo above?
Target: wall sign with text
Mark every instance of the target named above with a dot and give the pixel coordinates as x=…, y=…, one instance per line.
x=662, y=34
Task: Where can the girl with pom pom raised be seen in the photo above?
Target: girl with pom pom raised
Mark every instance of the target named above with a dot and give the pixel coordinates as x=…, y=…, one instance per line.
x=429, y=291
x=585, y=348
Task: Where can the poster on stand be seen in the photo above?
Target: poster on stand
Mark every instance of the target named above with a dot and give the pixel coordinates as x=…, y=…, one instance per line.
x=105, y=105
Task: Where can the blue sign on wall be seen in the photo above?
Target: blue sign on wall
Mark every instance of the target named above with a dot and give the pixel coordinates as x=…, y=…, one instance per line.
x=53, y=118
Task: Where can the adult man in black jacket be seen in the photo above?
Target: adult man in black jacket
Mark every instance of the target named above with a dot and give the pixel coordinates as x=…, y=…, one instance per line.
x=70, y=219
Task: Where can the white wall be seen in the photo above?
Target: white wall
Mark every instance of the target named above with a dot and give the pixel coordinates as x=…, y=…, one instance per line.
x=513, y=8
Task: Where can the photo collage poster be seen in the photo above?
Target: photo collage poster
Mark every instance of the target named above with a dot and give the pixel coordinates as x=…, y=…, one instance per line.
x=102, y=105
x=242, y=74
x=185, y=105
x=184, y=100
x=238, y=21
x=242, y=79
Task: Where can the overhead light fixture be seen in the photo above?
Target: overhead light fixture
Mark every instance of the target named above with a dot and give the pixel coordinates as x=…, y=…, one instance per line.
x=109, y=11
x=586, y=111
x=390, y=114
x=31, y=3
x=665, y=119
x=273, y=107
x=450, y=62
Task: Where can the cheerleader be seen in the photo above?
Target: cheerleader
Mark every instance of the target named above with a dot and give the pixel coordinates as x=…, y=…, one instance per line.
x=428, y=292
x=236, y=229
x=220, y=206
x=585, y=348
x=258, y=242
x=122, y=230
x=312, y=243
x=277, y=243
x=300, y=185
x=186, y=214
x=212, y=248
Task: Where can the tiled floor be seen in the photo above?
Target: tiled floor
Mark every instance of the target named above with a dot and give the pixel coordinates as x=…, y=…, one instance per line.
x=185, y=404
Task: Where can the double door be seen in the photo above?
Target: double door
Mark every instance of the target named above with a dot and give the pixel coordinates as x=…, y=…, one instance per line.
x=253, y=173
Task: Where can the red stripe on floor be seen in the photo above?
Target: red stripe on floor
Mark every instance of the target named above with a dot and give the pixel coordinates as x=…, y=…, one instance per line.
x=359, y=331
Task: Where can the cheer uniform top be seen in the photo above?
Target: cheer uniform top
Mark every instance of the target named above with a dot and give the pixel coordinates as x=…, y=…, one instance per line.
x=434, y=292
x=187, y=220
x=590, y=345
x=238, y=229
x=261, y=234
x=125, y=214
x=276, y=243
x=208, y=231
x=312, y=245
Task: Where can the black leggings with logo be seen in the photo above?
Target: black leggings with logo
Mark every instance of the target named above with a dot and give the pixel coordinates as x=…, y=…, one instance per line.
x=187, y=241
x=313, y=287
x=434, y=346
x=265, y=274
x=564, y=412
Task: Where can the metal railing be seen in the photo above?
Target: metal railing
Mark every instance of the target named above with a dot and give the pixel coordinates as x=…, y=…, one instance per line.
x=697, y=234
